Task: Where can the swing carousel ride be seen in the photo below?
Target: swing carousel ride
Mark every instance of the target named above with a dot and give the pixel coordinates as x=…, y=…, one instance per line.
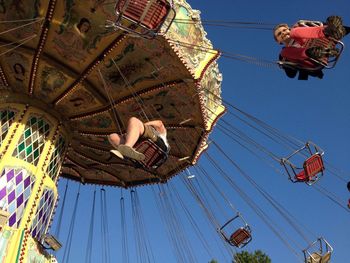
x=72, y=72
x=68, y=79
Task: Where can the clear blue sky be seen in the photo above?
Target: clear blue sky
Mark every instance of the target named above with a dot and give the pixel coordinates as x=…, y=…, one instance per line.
x=316, y=110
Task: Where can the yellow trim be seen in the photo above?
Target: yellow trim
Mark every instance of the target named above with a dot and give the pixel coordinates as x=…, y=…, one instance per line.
x=219, y=110
x=204, y=62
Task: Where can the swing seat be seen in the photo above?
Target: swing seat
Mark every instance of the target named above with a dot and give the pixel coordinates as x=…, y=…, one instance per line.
x=318, y=258
x=318, y=252
x=240, y=237
x=148, y=15
x=311, y=167
x=154, y=155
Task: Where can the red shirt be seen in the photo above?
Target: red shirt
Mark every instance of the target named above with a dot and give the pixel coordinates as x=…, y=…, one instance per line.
x=295, y=51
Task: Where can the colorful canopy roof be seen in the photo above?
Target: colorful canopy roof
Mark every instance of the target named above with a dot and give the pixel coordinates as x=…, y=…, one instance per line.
x=94, y=79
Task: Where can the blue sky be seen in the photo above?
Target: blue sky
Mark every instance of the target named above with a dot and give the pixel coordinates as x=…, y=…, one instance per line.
x=316, y=110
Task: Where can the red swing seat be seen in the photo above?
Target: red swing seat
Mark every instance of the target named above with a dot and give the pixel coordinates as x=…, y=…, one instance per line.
x=154, y=155
x=240, y=237
x=311, y=167
x=150, y=14
x=147, y=15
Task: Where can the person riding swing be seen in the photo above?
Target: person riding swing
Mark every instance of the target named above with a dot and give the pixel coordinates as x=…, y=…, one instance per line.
x=137, y=130
x=306, y=58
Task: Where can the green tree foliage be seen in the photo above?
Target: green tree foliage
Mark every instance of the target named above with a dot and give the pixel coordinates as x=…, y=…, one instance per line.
x=213, y=261
x=245, y=257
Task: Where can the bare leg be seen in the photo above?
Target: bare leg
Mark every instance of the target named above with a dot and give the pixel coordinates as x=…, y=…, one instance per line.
x=134, y=131
x=116, y=139
x=124, y=144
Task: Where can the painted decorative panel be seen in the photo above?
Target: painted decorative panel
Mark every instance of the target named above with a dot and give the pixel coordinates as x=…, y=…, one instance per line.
x=16, y=186
x=6, y=118
x=35, y=253
x=56, y=158
x=42, y=217
x=32, y=141
x=18, y=66
x=5, y=236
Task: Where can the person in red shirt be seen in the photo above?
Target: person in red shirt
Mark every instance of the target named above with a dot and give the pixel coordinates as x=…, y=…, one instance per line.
x=295, y=38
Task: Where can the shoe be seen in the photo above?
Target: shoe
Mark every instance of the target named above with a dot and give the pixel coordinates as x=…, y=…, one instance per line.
x=316, y=52
x=337, y=21
x=130, y=152
x=333, y=52
x=117, y=153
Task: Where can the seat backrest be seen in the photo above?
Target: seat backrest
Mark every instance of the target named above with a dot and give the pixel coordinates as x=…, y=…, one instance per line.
x=149, y=13
x=326, y=257
x=239, y=237
x=313, y=165
x=154, y=155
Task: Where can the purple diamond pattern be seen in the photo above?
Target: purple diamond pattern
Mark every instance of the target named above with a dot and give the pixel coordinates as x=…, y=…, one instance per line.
x=11, y=196
x=32, y=141
x=26, y=182
x=20, y=200
x=12, y=186
x=10, y=175
x=2, y=193
x=6, y=119
x=56, y=158
x=19, y=178
x=43, y=214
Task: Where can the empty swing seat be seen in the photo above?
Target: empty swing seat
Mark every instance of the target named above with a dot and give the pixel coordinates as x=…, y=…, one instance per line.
x=312, y=167
x=154, y=155
x=319, y=251
x=317, y=258
x=149, y=13
x=240, y=237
